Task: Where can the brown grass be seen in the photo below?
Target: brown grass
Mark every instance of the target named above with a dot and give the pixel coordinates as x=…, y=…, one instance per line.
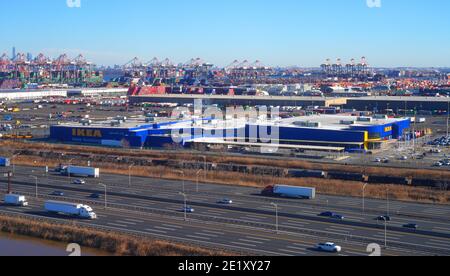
x=118, y=244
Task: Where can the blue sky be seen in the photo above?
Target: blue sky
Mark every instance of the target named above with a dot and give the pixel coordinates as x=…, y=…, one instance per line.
x=277, y=32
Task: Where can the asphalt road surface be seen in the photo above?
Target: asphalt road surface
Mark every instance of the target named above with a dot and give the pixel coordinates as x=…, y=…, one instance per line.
x=153, y=207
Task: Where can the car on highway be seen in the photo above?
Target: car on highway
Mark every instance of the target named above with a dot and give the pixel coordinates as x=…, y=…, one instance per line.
x=386, y=160
x=327, y=214
x=403, y=158
x=95, y=196
x=378, y=160
x=188, y=209
x=339, y=217
x=438, y=164
x=329, y=247
x=412, y=226
x=79, y=182
x=383, y=218
x=225, y=201
x=57, y=193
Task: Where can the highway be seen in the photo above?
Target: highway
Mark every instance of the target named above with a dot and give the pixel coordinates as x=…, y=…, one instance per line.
x=249, y=224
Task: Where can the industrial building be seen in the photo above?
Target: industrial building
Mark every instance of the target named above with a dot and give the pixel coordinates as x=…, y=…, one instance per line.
x=320, y=131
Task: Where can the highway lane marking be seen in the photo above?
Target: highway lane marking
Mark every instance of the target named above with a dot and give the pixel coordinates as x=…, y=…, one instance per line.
x=213, y=232
x=165, y=228
x=126, y=222
x=207, y=235
x=296, y=248
x=442, y=229
x=198, y=237
x=173, y=226
x=292, y=252
x=257, y=238
x=117, y=225
x=251, y=241
x=134, y=220
x=388, y=237
x=297, y=222
x=244, y=244
x=156, y=231
x=338, y=227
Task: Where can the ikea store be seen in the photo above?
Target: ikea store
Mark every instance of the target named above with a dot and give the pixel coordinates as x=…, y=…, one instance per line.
x=347, y=132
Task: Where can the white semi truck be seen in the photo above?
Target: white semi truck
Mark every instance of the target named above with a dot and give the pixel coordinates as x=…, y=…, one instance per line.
x=70, y=209
x=16, y=200
x=290, y=191
x=80, y=171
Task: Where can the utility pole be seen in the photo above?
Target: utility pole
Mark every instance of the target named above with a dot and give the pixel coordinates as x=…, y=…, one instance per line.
x=448, y=116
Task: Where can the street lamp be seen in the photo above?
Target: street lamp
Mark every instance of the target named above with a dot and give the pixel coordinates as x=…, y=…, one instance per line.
x=129, y=174
x=12, y=161
x=182, y=172
x=68, y=169
x=36, y=184
x=276, y=216
x=204, y=167
x=185, y=205
x=363, y=197
x=106, y=202
x=198, y=172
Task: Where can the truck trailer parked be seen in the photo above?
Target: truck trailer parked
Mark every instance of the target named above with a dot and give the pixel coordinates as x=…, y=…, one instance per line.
x=70, y=209
x=4, y=162
x=15, y=200
x=80, y=171
x=289, y=191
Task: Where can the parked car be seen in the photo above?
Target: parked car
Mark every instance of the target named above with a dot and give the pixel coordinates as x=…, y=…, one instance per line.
x=329, y=247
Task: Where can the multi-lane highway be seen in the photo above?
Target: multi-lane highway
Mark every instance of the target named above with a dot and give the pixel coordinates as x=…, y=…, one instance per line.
x=152, y=207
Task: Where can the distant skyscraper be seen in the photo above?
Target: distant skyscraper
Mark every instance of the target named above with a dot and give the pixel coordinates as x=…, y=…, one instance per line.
x=29, y=56
x=13, y=53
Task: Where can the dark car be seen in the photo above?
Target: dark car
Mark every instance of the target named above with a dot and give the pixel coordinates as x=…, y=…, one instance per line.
x=383, y=218
x=57, y=193
x=95, y=196
x=339, y=217
x=327, y=214
x=411, y=226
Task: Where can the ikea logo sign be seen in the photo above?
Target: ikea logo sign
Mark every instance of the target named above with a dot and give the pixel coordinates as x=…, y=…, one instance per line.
x=87, y=133
x=388, y=129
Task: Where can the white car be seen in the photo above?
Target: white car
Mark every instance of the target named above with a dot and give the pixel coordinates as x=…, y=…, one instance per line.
x=378, y=160
x=79, y=182
x=329, y=247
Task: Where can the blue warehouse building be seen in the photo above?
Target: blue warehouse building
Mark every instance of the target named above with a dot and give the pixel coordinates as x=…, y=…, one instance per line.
x=351, y=133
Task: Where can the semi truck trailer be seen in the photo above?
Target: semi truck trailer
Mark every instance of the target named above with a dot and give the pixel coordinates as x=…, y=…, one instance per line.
x=16, y=200
x=4, y=162
x=70, y=209
x=80, y=171
x=290, y=191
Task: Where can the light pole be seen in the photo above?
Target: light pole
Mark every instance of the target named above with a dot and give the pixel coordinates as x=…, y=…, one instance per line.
x=129, y=174
x=36, y=185
x=387, y=201
x=198, y=172
x=204, y=167
x=448, y=117
x=14, y=163
x=276, y=216
x=185, y=205
x=182, y=172
x=106, y=201
x=364, y=197
x=68, y=169
x=385, y=233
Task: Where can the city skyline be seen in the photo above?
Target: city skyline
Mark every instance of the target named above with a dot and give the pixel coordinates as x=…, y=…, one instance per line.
x=286, y=33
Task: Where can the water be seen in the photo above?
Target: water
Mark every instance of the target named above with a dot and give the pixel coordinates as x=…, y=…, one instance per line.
x=14, y=245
